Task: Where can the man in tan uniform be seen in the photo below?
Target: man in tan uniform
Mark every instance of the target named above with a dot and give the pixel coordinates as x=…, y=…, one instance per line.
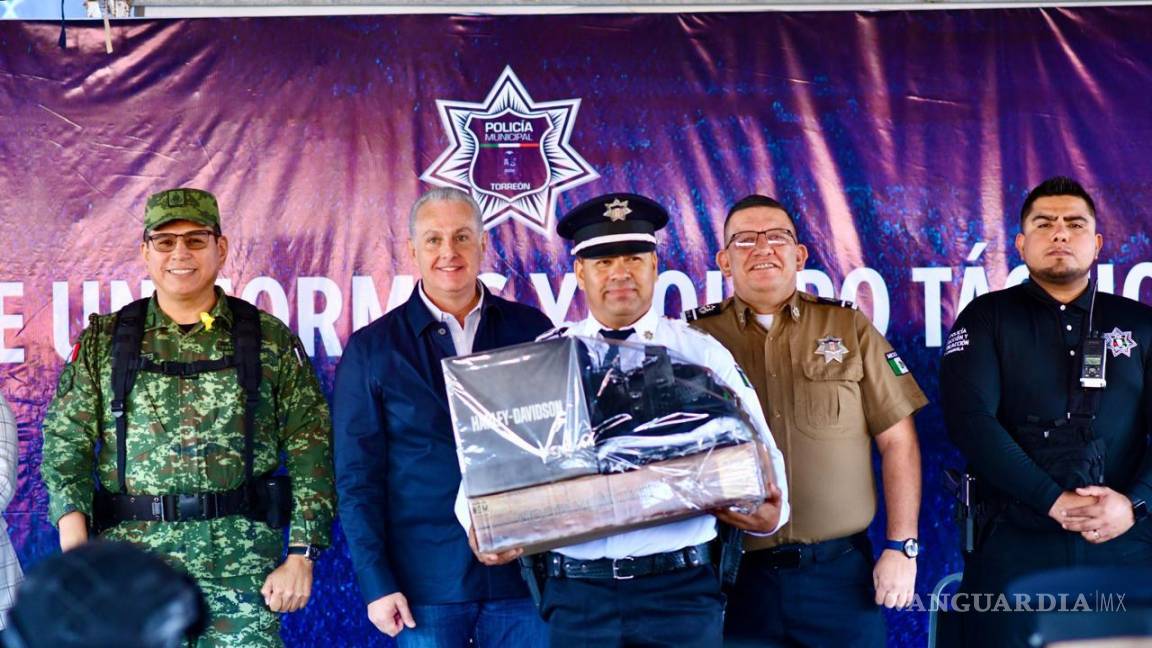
x=830, y=385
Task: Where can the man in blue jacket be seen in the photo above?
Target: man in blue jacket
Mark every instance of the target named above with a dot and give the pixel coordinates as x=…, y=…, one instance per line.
x=396, y=467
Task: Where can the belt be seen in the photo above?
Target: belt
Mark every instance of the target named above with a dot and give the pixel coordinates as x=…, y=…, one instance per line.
x=561, y=566
x=791, y=556
x=119, y=507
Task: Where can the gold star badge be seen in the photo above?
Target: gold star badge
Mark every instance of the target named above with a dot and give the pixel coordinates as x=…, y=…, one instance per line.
x=617, y=210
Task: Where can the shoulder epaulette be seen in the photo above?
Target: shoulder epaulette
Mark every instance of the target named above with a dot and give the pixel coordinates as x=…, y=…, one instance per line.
x=557, y=332
x=842, y=303
x=102, y=323
x=707, y=310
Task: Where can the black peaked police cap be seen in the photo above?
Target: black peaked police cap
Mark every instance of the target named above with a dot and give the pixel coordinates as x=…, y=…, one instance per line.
x=613, y=224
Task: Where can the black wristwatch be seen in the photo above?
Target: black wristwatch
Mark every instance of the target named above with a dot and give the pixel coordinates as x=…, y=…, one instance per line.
x=311, y=552
x=910, y=547
x=1139, y=510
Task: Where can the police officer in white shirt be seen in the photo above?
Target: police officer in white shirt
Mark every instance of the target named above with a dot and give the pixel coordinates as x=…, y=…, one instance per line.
x=654, y=586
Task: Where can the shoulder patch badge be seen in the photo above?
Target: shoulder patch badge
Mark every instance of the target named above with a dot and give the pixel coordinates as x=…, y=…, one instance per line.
x=897, y=365
x=957, y=341
x=704, y=311
x=1119, y=342
x=832, y=348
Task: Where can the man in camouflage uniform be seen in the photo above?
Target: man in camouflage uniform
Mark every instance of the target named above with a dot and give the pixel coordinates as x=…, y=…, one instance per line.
x=185, y=434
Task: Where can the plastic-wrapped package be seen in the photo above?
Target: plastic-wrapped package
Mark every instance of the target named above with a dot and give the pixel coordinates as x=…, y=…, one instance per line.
x=520, y=416
x=552, y=515
x=648, y=405
x=629, y=452
x=572, y=439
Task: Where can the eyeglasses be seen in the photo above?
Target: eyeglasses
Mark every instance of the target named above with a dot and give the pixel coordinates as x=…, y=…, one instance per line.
x=194, y=240
x=772, y=238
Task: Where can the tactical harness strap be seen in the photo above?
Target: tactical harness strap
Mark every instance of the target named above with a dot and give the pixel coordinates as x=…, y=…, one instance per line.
x=127, y=362
x=1070, y=450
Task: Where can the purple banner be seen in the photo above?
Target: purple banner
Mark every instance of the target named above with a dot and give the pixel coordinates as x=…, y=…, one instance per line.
x=905, y=141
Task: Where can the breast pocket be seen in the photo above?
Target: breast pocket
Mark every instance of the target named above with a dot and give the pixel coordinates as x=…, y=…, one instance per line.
x=827, y=398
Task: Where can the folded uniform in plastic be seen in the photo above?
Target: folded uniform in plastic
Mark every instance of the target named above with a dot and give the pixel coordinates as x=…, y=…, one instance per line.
x=572, y=439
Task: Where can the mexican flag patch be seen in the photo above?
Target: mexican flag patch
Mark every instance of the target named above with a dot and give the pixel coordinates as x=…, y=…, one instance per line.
x=897, y=365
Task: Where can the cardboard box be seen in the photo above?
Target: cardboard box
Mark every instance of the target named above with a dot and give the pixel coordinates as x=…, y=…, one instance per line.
x=519, y=416
x=553, y=515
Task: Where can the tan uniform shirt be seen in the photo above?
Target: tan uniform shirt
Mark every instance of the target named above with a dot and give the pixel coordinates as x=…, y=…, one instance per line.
x=828, y=382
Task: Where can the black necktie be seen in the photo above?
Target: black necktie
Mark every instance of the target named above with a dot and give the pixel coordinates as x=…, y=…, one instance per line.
x=614, y=349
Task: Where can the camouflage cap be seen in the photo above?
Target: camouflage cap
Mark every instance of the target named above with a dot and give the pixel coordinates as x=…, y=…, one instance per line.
x=182, y=204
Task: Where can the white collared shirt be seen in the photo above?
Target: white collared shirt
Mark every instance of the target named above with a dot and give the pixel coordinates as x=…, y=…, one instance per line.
x=698, y=348
x=463, y=337
x=704, y=350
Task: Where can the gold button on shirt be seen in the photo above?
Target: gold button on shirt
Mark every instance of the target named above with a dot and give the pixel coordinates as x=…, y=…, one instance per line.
x=827, y=385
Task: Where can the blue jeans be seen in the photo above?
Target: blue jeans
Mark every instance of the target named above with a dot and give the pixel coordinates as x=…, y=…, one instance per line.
x=511, y=623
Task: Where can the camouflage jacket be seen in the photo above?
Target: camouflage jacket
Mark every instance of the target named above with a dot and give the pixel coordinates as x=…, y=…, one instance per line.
x=185, y=435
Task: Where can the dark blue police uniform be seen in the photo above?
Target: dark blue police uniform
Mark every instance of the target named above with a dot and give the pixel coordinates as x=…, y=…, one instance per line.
x=1012, y=361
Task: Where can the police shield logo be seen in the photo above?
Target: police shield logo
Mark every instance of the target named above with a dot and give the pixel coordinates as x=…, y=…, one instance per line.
x=617, y=210
x=1119, y=342
x=511, y=153
x=509, y=162
x=832, y=348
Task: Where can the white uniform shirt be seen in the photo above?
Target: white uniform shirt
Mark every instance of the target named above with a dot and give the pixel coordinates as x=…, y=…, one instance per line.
x=698, y=348
x=701, y=349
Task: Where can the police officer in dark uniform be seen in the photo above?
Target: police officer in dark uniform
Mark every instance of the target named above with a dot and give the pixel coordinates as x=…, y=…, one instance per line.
x=1044, y=388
